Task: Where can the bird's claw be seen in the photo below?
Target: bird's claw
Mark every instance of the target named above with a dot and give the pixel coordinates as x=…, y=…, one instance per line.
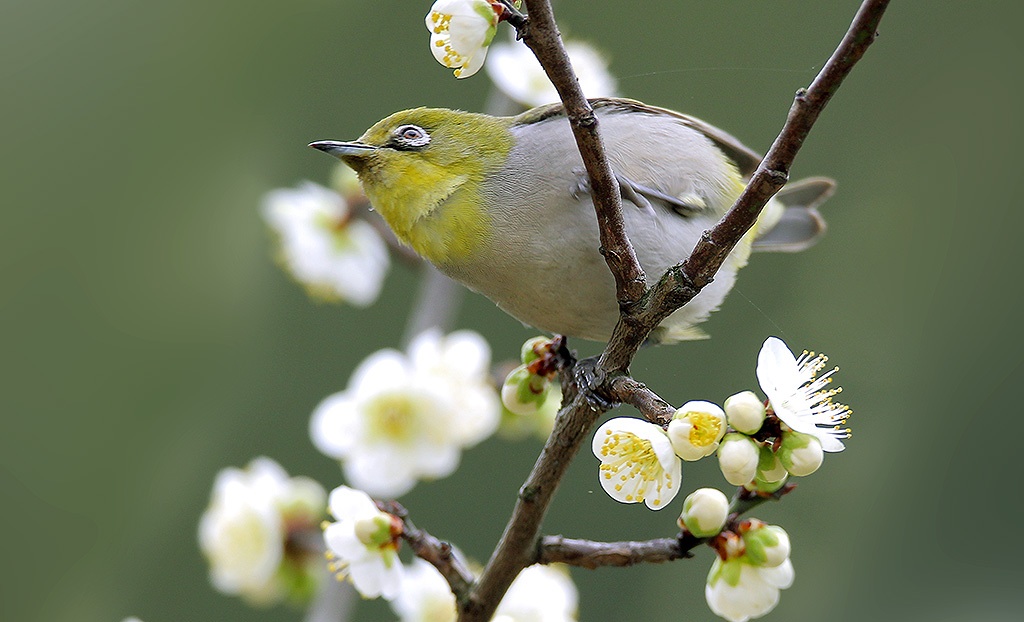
x=587, y=380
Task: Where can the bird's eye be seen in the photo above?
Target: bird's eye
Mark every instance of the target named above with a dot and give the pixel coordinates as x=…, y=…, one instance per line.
x=410, y=137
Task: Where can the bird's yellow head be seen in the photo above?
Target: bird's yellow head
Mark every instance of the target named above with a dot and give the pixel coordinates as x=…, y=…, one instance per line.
x=422, y=169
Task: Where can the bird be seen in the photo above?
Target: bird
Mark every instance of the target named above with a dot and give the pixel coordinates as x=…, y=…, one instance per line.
x=503, y=205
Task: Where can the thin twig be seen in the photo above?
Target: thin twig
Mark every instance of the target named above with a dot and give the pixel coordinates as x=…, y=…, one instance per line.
x=625, y=390
x=438, y=552
x=590, y=554
x=684, y=281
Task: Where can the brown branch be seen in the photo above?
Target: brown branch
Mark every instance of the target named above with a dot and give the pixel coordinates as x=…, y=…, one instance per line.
x=541, y=35
x=517, y=547
x=590, y=554
x=684, y=281
x=437, y=552
x=587, y=385
x=625, y=390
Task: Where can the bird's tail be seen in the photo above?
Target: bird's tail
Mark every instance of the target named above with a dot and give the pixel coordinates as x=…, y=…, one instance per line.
x=800, y=226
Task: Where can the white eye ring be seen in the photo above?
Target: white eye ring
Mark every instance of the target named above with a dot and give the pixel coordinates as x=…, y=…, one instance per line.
x=412, y=136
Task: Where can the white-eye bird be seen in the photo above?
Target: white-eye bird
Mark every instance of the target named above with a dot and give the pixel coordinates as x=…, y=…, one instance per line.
x=501, y=204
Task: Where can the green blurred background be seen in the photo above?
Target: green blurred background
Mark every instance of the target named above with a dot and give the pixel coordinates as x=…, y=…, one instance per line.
x=149, y=340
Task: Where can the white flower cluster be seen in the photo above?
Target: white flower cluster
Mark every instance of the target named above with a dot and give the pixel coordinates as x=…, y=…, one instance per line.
x=752, y=567
x=789, y=434
x=407, y=417
x=335, y=256
x=252, y=514
x=641, y=461
x=759, y=445
x=363, y=547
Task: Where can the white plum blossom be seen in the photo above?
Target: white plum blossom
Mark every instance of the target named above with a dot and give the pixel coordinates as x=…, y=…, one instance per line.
x=335, y=256
x=460, y=363
x=243, y=532
x=696, y=429
x=425, y=595
x=515, y=71
x=704, y=512
x=406, y=418
x=363, y=544
x=752, y=567
x=460, y=31
x=799, y=397
x=638, y=463
x=541, y=593
x=739, y=591
x=744, y=412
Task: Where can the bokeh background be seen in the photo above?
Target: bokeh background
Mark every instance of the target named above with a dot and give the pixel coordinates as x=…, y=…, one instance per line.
x=148, y=339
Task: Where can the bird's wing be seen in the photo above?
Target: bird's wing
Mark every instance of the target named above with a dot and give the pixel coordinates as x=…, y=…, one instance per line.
x=746, y=159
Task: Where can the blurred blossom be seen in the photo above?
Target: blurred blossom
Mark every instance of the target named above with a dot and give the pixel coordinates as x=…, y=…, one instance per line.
x=515, y=71
x=362, y=544
x=799, y=397
x=460, y=31
x=541, y=593
x=638, y=463
x=335, y=256
x=695, y=430
x=425, y=595
x=252, y=514
x=407, y=417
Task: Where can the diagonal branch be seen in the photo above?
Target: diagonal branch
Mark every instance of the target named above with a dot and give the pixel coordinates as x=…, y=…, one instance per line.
x=684, y=281
x=589, y=387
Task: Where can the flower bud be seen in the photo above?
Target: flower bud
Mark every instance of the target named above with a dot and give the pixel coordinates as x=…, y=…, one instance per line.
x=769, y=467
x=374, y=530
x=704, y=512
x=524, y=393
x=767, y=545
x=745, y=412
x=696, y=429
x=800, y=453
x=738, y=457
